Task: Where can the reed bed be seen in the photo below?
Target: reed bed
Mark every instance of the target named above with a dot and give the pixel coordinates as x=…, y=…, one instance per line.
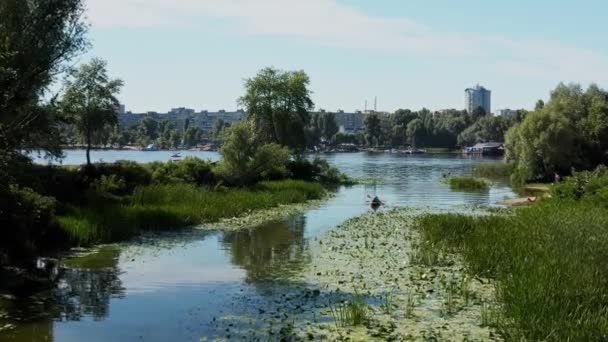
x=493, y=170
x=468, y=183
x=549, y=263
x=173, y=206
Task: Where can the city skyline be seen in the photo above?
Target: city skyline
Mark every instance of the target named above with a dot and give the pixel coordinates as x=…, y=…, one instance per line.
x=411, y=55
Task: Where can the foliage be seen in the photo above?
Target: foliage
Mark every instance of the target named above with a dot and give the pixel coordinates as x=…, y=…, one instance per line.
x=189, y=170
x=350, y=313
x=548, y=259
x=39, y=38
x=90, y=101
x=176, y=206
x=245, y=160
x=588, y=186
x=27, y=223
x=568, y=132
x=278, y=103
x=373, y=130
x=486, y=129
x=318, y=170
x=468, y=183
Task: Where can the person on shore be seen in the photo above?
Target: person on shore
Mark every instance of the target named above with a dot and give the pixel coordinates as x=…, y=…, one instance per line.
x=556, y=177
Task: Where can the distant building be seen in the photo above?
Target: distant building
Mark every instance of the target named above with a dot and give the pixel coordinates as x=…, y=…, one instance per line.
x=204, y=120
x=477, y=97
x=119, y=109
x=505, y=112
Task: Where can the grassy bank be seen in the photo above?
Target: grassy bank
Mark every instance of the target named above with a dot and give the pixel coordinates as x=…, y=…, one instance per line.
x=177, y=205
x=549, y=263
x=468, y=183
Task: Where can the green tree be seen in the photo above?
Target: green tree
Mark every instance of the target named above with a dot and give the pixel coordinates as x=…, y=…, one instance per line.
x=415, y=132
x=90, y=101
x=373, y=129
x=569, y=132
x=246, y=160
x=147, y=131
x=539, y=105
x=278, y=104
x=330, y=127
x=477, y=114
x=38, y=39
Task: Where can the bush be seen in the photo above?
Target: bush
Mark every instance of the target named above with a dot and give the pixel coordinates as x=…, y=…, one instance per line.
x=111, y=184
x=26, y=224
x=590, y=186
x=134, y=174
x=318, y=170
x=246, y=161
x=189, y=170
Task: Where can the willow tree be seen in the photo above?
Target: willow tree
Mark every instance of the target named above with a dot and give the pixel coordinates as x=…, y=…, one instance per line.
x=278, y=104
x=90, y=102
x=37, y=40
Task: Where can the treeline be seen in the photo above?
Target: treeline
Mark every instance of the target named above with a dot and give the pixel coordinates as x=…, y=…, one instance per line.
x=447, y=129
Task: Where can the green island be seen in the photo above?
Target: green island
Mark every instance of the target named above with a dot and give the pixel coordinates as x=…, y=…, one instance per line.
x=273, y=240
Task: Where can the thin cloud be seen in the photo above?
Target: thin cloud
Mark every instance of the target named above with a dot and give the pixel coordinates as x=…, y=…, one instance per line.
x=329, y=23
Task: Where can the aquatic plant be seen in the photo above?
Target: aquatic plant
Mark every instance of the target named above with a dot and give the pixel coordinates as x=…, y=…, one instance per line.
x=175, y=206
x=350, y=313
x=494, y=170
x=468, y=183
x=548, y=261
x=410, y=305
x=388, y=302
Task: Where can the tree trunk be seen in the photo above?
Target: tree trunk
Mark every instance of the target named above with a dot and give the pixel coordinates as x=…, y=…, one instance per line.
x=88, y=147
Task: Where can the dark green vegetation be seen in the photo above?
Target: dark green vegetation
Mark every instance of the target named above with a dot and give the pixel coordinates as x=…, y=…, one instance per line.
x=569, y=132
x=175, y=206
x=447, y=129
x=468, y=183
x=548, y=260
x=494, y=170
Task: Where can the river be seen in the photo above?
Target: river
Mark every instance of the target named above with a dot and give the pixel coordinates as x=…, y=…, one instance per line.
x=188, y=285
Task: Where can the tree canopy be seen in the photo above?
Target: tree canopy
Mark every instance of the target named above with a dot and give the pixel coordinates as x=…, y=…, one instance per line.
x=278, y=104
x=90, y=102
x=568, y=132
x=38, y=39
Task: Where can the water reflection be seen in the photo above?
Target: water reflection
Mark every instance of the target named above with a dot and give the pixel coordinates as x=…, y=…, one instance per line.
x=271, y=252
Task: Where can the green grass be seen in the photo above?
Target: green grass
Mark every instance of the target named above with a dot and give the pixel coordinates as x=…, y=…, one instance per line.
x=468, y=183
x=158, y=207
x=549, y=261
x=493, y=170
x=351, y=313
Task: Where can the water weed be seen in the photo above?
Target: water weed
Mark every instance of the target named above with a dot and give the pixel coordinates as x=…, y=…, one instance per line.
x=350, y=313
x=468, y=183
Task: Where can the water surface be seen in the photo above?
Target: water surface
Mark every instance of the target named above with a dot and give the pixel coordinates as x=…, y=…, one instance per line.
x=187, y=285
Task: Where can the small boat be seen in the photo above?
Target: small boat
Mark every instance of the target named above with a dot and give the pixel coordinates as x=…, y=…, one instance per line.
x=415, y=151
x=176, y=156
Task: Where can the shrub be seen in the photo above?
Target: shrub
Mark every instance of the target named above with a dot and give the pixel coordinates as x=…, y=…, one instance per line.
x=134, y=174
x=189, y=170
x=246, y=161
x=26, y=223
x=111, y=184
x=318, y=170
x=586, y=185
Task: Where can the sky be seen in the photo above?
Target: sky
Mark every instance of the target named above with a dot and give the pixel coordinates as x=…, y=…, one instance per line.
x=409, y=53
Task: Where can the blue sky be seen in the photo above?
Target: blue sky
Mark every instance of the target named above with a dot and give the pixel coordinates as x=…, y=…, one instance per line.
x=409, y=53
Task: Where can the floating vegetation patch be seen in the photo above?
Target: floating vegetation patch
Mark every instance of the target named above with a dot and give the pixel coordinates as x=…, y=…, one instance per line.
x=468, y=183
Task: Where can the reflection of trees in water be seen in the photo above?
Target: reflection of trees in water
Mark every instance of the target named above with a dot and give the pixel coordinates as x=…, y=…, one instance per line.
x=87, y=291
x=274, y=251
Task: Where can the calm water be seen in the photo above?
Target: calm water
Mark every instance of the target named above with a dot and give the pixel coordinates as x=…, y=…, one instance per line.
x=188, y=285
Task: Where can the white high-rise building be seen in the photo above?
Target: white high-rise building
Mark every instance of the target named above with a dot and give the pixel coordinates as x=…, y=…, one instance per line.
x=477, y=97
